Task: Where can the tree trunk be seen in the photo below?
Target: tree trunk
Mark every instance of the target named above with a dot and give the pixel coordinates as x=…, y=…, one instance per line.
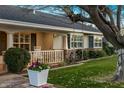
x=119, y=76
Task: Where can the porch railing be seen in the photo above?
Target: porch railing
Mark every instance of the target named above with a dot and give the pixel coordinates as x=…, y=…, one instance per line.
x=47, y=56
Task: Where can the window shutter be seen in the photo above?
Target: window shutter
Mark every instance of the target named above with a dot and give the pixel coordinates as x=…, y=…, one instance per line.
x=91, y=41
x=68, y=36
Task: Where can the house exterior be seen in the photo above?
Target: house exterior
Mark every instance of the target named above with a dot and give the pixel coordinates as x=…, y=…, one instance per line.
x=49, y=34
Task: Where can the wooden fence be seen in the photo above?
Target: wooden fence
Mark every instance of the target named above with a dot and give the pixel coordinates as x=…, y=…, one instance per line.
x=47, y=56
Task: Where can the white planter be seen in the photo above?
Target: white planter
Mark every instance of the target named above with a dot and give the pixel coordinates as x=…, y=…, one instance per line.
x=37, y=78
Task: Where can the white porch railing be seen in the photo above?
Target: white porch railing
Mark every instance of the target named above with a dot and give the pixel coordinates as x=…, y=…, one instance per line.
x=47, y=56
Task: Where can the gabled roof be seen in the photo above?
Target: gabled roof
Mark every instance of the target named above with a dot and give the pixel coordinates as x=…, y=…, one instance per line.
x=26, y=15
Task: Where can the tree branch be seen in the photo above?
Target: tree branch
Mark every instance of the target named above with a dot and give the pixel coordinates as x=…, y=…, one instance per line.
x=119, y=16
x=76, y=17
x=84, y=7
x=103, y=27
x=106, y=11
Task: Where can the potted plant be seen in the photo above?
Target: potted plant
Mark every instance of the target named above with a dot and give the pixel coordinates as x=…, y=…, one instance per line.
x=38, y=73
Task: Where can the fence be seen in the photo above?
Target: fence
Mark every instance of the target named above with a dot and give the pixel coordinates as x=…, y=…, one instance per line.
x=47, y=56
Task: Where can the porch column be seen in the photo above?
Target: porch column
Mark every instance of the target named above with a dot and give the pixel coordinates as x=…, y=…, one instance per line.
x=9, y=39
x=65, y=42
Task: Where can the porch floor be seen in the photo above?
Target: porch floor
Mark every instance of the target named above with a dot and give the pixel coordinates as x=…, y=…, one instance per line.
x=17, y=81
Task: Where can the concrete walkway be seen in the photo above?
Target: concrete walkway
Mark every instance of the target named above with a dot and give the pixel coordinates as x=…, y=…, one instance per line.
x=17, y=81
x=13, y=81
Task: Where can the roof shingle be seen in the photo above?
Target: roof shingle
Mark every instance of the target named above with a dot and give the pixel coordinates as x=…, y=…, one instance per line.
x=26, y=15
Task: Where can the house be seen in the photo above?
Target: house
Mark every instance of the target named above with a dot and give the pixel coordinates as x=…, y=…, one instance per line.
x=49, y=34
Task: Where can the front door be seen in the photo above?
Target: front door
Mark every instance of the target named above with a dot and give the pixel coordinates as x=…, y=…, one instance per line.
x=3, y=42
x=58, y=42
x=33, y=41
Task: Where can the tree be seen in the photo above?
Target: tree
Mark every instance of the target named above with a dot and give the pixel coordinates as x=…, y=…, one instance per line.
x=108, y=20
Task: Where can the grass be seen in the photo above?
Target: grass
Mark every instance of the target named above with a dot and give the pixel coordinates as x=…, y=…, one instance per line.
x=93, y=74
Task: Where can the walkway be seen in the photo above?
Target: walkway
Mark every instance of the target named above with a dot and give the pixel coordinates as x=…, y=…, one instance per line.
x=17, y=81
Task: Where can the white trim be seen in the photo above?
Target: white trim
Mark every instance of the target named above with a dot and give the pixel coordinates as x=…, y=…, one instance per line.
x=76, y=41
x=100, y=38
x=9, y=40
x=19, y=43
x=27, y=24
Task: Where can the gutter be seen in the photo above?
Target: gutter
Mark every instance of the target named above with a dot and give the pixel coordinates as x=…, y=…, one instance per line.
x=42, y=26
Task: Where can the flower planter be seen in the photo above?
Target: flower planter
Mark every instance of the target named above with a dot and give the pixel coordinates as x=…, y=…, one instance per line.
x=37, y=78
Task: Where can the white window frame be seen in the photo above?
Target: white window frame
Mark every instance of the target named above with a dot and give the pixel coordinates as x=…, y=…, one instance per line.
x=76, y=34
x=100, y=41
x=19, y=43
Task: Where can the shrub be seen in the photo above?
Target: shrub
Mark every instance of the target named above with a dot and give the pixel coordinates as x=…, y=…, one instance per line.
x=73, y=56
x=16, y=59
x=109, y=50
x=79, y=55
x=70, y=58
x=96, y=53
x=100, y=53
x=92, y=54
x=112, y=50
x=85, y=54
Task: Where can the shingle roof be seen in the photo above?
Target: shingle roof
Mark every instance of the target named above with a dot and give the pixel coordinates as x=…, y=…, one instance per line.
x=26, y=15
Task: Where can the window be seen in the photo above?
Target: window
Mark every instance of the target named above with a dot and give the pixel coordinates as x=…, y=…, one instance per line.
x=76, y=41
x=22, y=40
x=98, y=42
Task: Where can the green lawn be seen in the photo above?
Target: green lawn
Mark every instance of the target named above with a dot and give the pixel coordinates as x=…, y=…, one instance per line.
x=97, y=73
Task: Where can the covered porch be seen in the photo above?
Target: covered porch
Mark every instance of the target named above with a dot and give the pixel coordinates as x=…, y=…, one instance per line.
x=48, y=45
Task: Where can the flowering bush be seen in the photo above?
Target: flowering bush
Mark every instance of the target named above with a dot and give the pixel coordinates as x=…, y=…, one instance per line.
x=37, y=66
